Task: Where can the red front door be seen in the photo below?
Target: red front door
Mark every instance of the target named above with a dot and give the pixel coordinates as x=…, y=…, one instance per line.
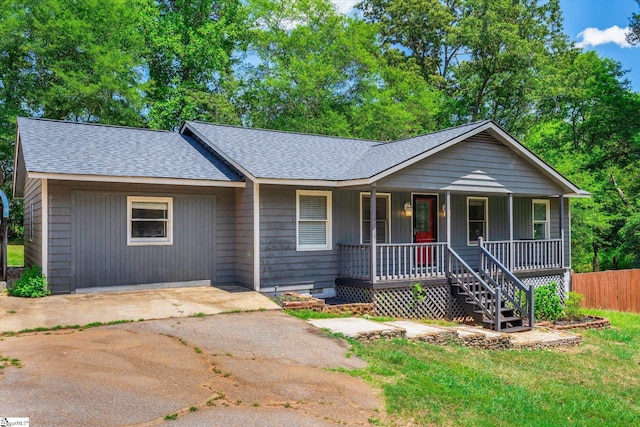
x=425, y=211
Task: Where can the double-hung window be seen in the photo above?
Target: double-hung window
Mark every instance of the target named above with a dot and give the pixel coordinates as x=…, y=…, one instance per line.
x=541, y=229
x=477, y=219
x=383, y=218
x=150, y=221
x=313, y=218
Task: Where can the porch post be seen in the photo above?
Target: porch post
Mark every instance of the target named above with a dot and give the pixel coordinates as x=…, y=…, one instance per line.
x=374, y=234
x=448, y=213
x=511, y=254
x=561, y=209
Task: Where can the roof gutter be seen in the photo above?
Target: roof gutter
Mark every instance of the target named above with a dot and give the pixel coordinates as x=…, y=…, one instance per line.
x=136, y=180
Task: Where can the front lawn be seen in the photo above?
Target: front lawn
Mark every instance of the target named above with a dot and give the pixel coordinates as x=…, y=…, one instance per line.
x=596, y=384
x=15, y=255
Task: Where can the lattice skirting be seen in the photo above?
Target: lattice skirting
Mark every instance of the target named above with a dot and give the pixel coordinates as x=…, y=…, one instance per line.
x=354, y=293
x=545, y=280
x=400, y=302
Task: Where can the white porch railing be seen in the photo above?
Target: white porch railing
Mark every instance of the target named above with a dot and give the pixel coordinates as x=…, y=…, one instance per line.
x=527, y=254
x=394, y=261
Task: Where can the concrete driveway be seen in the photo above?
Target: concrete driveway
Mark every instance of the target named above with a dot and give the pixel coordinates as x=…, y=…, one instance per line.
x=260, y=368
x=17, y=314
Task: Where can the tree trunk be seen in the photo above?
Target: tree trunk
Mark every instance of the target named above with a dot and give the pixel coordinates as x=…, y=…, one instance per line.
x=596, y=260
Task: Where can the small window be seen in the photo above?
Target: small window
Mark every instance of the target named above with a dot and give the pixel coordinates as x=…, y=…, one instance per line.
x=313, y=213
x=383, y=218
x=150, y=221
x=541, y=229
x=477, y=224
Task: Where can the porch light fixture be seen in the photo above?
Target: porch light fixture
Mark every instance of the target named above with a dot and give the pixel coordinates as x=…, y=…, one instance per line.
x=443, y=211
x=408, y=209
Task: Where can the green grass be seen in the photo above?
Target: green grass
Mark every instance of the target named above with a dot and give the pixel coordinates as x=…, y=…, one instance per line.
x=310, y=314
x=596, y=384
x=15, y=255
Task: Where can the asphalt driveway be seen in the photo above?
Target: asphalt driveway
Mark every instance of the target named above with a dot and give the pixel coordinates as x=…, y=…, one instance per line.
x=261, y=368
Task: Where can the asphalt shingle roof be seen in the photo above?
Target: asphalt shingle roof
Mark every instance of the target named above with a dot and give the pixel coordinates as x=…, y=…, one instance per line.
x=51, y=146
x=286, y=155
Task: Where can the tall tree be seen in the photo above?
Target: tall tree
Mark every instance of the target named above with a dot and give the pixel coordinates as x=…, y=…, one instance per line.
x=312, y=69
x=190, y=62
x=488, y=55
x=64, y=59
x=633, y=36
x=423, y=31
x=509, y=44
x=588, y=126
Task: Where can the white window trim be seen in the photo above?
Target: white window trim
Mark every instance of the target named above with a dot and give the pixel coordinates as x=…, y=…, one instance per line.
x=486, y=219
x=150, y=241
x=329, y=221
x=387, y=238
x=547, y=222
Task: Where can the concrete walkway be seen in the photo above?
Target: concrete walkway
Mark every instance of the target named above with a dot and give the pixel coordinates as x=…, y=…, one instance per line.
x=17, y=314
x=365, y=330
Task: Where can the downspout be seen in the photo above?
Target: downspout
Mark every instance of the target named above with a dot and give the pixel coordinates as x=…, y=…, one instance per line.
x=256, y=237
x=448, y=218
x=5, y=221
x=511, y=254
x=45, y=228
x=561, y=209
x=373, y=221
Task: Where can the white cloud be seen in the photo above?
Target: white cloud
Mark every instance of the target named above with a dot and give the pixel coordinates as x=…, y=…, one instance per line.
x=595, y=36
x=344, y=6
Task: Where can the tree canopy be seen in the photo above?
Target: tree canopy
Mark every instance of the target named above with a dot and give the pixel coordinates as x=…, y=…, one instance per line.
x=396, y=68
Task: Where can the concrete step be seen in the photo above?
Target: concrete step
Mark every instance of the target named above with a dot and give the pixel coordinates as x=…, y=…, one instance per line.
x=358, y=328
x=470, y=336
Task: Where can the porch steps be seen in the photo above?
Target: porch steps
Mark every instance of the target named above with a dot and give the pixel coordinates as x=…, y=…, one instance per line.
x=509, y=322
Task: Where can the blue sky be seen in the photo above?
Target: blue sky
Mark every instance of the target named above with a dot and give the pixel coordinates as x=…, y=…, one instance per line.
x=600, y=25
x=592, y=24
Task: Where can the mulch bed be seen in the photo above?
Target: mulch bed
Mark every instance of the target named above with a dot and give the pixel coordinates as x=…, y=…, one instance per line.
x=587, y=322
x=294, y=301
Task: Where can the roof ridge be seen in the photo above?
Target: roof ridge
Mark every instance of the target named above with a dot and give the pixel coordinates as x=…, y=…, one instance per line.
x=289, y=132
x=478, y=123
x=68, y=122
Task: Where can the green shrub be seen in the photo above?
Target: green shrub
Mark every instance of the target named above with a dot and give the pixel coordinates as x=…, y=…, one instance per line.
x=547, y=304
x=32, y=284
x=573, y=305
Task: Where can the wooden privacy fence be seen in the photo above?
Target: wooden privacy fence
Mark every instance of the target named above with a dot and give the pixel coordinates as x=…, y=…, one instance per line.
x=613, y=290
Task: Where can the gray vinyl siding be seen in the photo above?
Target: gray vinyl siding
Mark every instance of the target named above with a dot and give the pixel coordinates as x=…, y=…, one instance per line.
x=88, y=246
x=244, y=252
x=33, y=222
x=479, y=165
x=280, y=263
x=348, y=218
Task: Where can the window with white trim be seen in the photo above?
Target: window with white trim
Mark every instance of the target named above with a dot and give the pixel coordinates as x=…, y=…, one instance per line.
x=477, y=219
x=149, y=221
x=313, y=219
x=541, y=223
x=383, y=218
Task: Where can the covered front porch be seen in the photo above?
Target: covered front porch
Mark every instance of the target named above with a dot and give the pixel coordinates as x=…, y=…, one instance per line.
x=529, y=244
x=407, y=261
